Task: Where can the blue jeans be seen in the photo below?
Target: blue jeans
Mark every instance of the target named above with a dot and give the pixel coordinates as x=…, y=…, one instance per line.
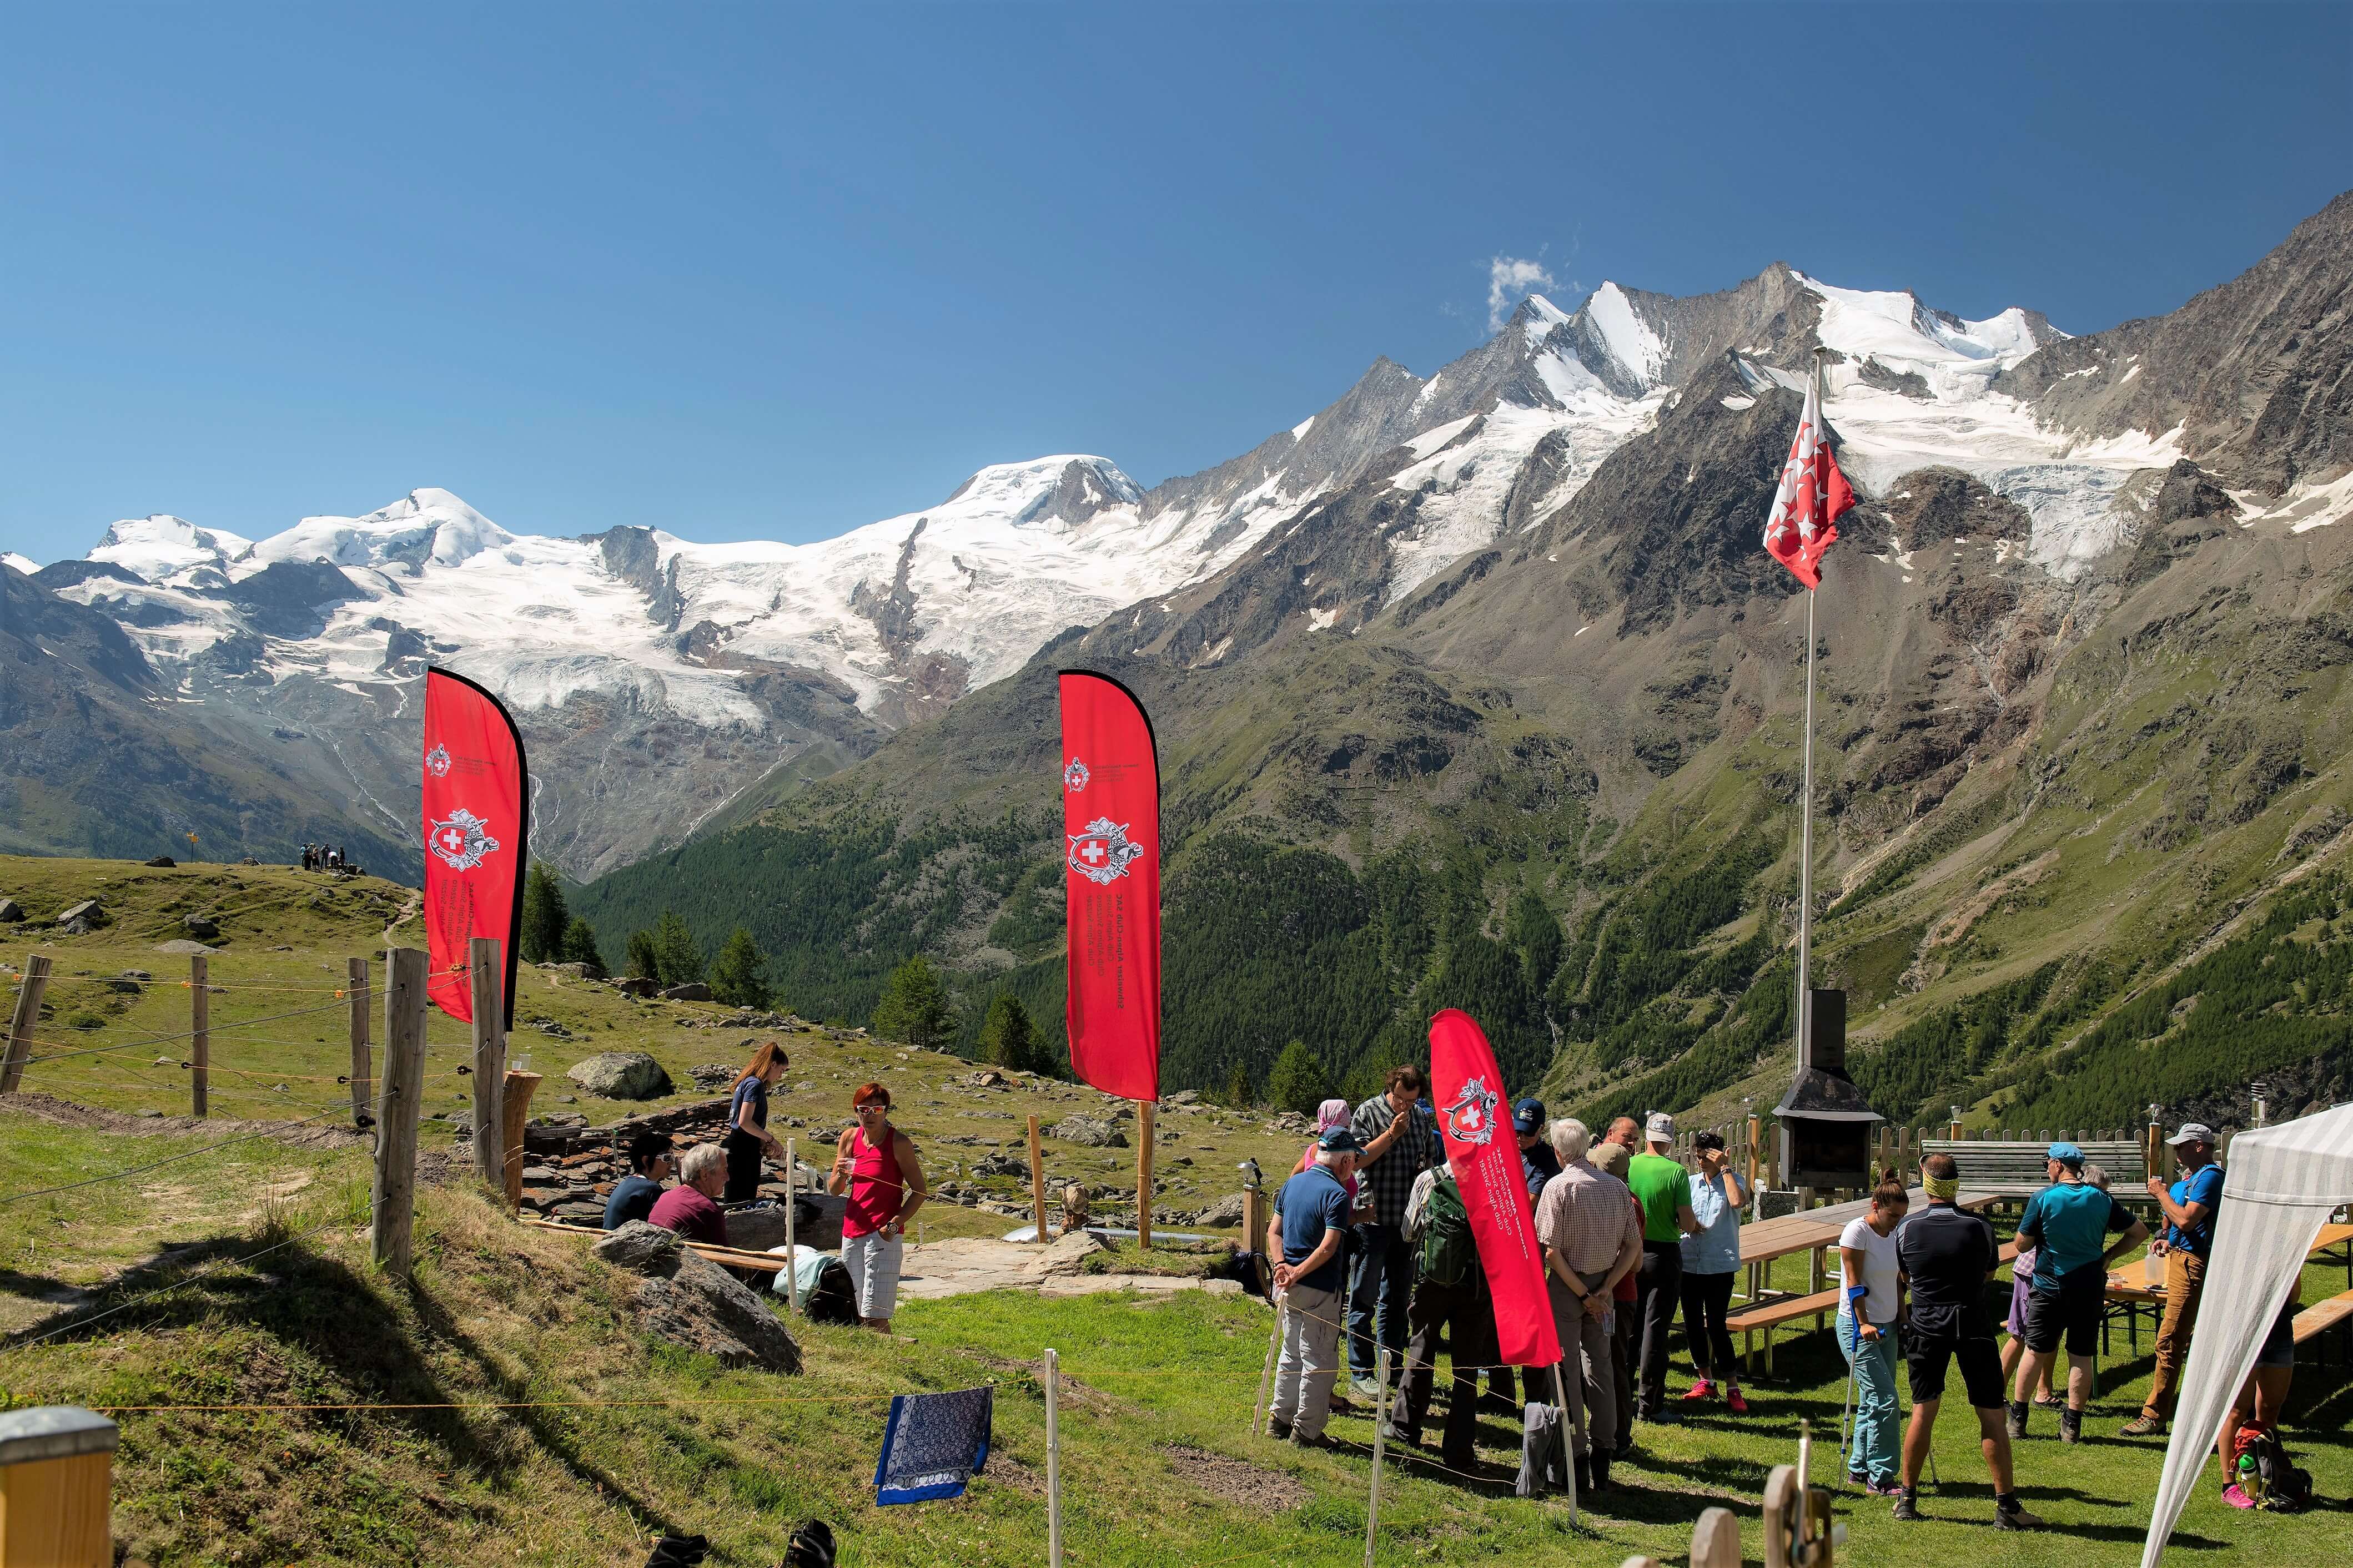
x=1382, y=1281
x=1878, y=1424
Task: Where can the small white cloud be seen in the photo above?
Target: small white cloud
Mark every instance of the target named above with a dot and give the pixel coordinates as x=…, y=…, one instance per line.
x=1509, y=279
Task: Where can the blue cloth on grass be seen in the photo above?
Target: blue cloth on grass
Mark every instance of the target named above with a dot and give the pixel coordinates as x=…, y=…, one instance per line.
x=933, y=1445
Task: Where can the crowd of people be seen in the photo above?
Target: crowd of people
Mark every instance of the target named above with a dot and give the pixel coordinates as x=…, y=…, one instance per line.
x=1373, y=1245
x=324, y=857
x=876, y=1168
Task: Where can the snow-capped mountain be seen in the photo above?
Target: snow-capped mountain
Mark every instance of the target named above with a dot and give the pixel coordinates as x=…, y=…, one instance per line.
x=657, y=678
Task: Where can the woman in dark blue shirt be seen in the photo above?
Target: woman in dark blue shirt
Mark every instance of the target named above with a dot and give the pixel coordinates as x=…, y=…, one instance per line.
x=747, y=1122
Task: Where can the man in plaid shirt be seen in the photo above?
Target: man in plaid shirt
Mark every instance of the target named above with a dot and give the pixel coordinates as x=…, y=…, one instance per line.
x=1400, y=1138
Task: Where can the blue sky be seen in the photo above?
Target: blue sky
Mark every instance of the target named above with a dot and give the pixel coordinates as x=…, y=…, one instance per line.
x=774, y=271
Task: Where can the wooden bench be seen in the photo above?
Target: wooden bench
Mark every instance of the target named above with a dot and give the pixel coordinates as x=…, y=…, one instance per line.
x=2322, y=1316
x=1781, y=1311
x=2018, y=1169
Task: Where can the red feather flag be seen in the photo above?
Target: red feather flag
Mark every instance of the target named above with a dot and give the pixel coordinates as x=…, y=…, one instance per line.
x=476, y=835
x=1483, y=1153
x=1110, y=875
x=1812, y=496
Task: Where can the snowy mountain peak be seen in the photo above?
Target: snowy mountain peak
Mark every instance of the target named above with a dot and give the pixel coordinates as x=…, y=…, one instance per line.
x=1067, y=489
x=156, y=546
x=424, y=524
x=1895, y=328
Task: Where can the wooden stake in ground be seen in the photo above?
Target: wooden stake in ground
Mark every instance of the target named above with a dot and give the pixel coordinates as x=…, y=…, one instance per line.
x=1053, y=1459
x=397, y=1107
x=1254, y=1236
x=1143, y=1175
x=56, y=1473
x=792, y=1207
x=200, y=1023
x=514, y=1110
x=1380, y=1437
x=486, y=971
x=1036, y=1183
x=362, y=1074
x=21, y=1022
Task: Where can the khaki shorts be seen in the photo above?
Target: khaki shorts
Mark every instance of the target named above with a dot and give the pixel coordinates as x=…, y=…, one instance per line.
x=872, y=1260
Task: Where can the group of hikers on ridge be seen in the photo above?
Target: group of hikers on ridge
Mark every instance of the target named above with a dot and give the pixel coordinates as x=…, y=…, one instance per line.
x=1373, y=1244
x=875, y=1167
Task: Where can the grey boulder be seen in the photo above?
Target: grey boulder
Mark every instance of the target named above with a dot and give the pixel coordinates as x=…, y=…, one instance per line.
x=643, y=1247
x=694, y=1303
x=696, y=992
x=200, y=926
x=88, y=910
x=621, y=1075
x=10, y=910
x=1089, y=1130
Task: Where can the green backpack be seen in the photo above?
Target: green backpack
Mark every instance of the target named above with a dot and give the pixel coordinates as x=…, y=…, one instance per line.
x=1449, y=1250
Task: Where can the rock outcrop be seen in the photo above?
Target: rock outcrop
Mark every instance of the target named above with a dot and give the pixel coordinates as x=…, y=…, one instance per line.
x=621, y=1075
x=694, y=1303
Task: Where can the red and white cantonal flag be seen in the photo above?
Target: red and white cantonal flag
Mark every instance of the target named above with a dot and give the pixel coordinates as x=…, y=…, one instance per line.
x=1476, y=1120
x=1813, y=495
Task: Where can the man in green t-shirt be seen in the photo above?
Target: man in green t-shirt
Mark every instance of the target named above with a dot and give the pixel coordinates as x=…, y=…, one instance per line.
x=1662, y=1185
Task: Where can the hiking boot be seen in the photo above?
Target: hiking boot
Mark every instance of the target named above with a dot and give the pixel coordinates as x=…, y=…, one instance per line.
x=1907, y=1504
x=1320, y=1440
x=2017, y=1419
x=1278, y=1430
x=1597, y=1468
x=1703, y=1389
x=2008, y=1515
x=2071, y=1426
x=2143, y=1426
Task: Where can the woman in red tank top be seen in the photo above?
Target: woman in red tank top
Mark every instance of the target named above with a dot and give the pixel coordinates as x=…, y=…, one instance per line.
x=877, y=1167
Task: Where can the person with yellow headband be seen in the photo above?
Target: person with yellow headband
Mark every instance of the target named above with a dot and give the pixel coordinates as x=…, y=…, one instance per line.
x=1946, y=1256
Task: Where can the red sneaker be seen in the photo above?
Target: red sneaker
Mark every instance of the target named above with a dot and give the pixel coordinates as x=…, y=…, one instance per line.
x=1703, y=1389
x=1736, y=1405
x=2236, y=1498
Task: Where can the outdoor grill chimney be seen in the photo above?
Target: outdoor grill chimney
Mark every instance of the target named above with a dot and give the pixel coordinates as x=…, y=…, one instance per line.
x=1825, y=1120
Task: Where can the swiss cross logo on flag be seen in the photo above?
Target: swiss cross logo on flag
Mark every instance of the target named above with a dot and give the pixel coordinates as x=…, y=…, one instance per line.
x=1811, y=497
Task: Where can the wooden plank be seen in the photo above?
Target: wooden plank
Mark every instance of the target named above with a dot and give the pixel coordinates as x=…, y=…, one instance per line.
x=1143, y=1175
x=2322, y=1316
x=1037, y=1181
x=486, y=972
x=401, y=1099
x=55, y=1513
x=22, y=1021
x=200, y=1015
x=362, y=1071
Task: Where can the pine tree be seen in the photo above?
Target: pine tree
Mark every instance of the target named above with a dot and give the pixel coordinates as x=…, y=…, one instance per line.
x=738, y=976
x=914, y=1007
x=645, y=957
x=580, y=947
x=1536, y=932
x=544, y=916
x=677, y=952
x=1238, y=1089
x=1007, y=1038
x=1298, y=1081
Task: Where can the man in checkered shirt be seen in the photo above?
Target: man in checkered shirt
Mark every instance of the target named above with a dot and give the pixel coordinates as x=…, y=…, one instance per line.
x=1399, y=1133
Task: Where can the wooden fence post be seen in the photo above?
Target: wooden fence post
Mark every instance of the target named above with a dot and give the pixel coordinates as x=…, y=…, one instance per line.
x=57, y=1485
x=488, y=973
x=514, y=1110
x=1254, y=1237
x=362, y=1074
x=1143, y=1175
x=200, y=1023
x=1716, y=1540
x=22, y=1021
x=1036, y=1183
x=401, y=1101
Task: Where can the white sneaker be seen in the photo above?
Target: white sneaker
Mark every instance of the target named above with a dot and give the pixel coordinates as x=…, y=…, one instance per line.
x=1364, y=1387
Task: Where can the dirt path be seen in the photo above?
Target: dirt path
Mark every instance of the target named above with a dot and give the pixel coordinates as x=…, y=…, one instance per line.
x=965, y=1265
x=320, y=1134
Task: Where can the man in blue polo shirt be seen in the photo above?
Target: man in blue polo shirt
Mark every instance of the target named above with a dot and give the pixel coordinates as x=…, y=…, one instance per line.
x=2068, y=1224
x=1311, y=1222
x=2188, y=1204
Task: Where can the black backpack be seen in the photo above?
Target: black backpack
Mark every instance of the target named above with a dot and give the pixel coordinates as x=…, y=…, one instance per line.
x=831, y=1299
x=2277, y=1483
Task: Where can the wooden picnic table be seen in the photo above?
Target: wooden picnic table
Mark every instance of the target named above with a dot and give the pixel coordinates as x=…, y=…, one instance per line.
x=1808, y=1229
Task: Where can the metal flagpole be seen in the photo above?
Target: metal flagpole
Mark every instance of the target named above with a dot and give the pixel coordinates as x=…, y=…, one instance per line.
x=1806, y=814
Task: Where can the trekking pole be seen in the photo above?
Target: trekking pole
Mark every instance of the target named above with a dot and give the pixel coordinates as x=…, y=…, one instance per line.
x=1568, y=1440
x=1260, y=1414
x=1380, y=1432
x=1053, y=1460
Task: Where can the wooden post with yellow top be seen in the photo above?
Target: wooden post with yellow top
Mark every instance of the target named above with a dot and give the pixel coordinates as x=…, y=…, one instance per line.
x=57, y=1481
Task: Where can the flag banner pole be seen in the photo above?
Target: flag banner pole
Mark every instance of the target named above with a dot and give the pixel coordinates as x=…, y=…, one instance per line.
x=1111, y=879
x=476, y=799
x=1805, y=844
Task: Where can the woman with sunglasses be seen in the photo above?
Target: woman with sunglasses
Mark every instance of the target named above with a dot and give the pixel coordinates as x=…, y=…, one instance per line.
x=876, y=1165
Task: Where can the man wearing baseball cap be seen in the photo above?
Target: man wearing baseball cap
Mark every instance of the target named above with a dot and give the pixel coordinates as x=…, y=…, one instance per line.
x=1662, y=1187
x=1310, y=1225
x=2067, y=1223
x=2188, y=1204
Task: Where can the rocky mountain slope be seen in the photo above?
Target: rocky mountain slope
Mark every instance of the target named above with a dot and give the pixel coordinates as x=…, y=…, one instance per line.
x=658, y=679
x=2078, y=732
